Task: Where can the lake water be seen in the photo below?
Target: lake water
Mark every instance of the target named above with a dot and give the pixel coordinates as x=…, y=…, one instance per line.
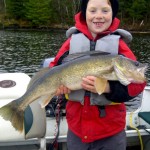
x=23, y=51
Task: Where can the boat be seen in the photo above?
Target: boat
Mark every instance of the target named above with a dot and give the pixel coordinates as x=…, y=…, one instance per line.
x=41, y=129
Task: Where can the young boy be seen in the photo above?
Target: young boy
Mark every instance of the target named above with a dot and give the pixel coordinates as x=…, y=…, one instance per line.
x=93, y=125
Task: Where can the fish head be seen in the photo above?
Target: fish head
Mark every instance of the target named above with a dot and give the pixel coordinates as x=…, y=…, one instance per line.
x=129, y=71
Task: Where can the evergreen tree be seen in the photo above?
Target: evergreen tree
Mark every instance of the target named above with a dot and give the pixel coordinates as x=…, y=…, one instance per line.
x=15, y=8
x=38, y=11
x=137, y=10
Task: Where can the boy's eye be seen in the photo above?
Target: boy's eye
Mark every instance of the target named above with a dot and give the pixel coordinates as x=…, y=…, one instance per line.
x=105, y=11
x=93, y=11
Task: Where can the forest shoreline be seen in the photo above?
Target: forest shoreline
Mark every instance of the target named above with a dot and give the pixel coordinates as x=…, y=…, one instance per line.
x=142, y=30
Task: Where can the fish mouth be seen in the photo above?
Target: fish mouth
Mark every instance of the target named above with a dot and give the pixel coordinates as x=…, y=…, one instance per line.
x=139, y=80
x=143, y=69
x=141, y=74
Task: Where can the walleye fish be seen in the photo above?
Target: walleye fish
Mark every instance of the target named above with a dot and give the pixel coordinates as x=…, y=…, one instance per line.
x=70, y=74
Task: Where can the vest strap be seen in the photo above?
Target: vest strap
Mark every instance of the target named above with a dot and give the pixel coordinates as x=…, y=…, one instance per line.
x=102, y=111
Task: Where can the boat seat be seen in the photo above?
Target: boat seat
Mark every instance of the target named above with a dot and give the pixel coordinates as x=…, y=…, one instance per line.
x=145, y=116
x=13, y=86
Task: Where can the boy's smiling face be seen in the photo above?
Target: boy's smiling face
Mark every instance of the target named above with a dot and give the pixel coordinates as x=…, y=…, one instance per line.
x=98, y=16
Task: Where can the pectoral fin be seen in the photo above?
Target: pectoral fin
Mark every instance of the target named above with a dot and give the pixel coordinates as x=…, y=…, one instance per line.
x=100, y=85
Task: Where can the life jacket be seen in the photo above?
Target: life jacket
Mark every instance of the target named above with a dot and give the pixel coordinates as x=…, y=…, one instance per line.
x=86, y=115
x=80, y=43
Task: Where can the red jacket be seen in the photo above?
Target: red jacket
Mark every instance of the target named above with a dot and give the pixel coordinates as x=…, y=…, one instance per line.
x=84, y=120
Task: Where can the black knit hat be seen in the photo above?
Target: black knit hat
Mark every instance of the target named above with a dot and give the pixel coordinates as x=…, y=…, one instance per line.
x=114, y=5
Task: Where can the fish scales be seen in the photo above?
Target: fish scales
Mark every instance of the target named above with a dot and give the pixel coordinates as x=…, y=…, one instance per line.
x=73, y=73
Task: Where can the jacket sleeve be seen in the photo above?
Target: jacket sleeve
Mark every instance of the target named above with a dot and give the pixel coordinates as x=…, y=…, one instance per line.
x=119, y=92
x=61, y=54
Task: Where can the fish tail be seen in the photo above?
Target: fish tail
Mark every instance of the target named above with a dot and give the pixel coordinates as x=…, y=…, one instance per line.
x=12, y=113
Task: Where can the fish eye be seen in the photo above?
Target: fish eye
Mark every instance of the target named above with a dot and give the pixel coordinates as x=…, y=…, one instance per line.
x=137, y=63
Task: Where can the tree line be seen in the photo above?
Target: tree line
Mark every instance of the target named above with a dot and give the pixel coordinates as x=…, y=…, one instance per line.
x=134, y=14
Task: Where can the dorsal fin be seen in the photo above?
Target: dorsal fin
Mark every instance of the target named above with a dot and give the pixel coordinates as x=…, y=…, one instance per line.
x=72, y=57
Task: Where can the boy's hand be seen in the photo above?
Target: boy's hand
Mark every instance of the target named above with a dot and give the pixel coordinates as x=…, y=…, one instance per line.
x=89, y=84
